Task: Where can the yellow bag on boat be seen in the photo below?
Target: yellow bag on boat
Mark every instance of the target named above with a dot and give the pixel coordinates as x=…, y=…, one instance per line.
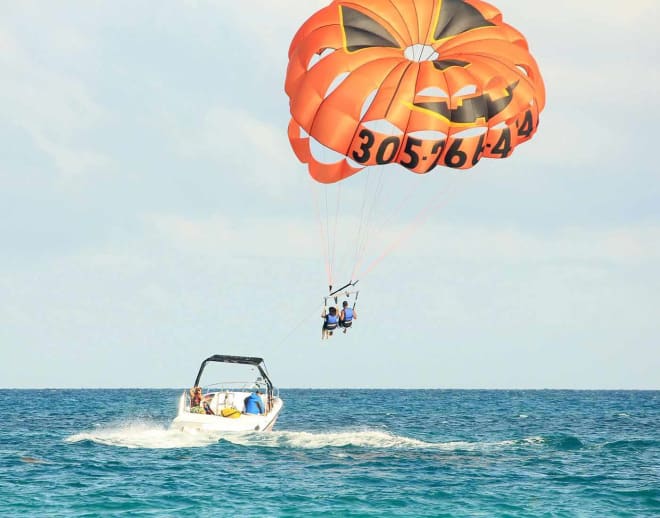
x=230, y=412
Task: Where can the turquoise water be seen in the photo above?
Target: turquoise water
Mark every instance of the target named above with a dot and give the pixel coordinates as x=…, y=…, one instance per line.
x=335, y=453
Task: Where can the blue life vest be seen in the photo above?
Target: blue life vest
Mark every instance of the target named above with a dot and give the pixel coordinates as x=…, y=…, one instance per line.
x=331, y=321
x=348, y=314
x=253, y=404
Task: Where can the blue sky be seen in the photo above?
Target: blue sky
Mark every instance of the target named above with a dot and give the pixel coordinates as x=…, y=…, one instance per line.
x=153, y=213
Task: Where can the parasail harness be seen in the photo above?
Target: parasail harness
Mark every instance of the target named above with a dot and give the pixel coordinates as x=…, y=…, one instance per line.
x=345, y=290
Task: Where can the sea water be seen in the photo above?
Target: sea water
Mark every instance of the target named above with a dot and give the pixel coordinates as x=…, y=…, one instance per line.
x=344, y=453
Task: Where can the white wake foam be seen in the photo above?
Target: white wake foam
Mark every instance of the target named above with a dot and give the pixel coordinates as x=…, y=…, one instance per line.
x=152, y=436
x=145, y=435
x=310, y=440
x=365, y=439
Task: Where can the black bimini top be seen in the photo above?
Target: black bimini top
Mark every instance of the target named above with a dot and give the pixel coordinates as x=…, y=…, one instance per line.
x=245, y=360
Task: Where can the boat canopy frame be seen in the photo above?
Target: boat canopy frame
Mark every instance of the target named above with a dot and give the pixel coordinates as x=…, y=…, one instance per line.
x=243, y=360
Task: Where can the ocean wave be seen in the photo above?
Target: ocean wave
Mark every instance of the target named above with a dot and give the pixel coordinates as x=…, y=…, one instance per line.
x=631, y=444
x=33, y=460
x=564, y=442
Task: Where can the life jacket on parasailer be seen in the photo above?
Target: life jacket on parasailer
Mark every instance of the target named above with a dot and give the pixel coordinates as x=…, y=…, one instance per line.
x=331, y=321
x=347, y=321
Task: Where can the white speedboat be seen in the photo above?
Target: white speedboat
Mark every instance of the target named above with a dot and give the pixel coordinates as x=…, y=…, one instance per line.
x=222, y=406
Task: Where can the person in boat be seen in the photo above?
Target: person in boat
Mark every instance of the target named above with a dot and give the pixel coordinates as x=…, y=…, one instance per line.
x=207, y=408
x=346, y=316
x=330, y=322
x=197, y=404
x=196, y=400
x=254, y=404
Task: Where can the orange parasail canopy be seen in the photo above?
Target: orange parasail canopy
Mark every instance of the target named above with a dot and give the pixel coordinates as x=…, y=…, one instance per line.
x=421, y=83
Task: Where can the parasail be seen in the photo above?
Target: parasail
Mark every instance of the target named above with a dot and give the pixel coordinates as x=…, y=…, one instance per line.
x=420, y=83
x=425, y=84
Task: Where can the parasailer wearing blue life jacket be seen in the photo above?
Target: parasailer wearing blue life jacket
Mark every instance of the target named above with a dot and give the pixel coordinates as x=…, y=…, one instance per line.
x=330, y=322
x=346, y=317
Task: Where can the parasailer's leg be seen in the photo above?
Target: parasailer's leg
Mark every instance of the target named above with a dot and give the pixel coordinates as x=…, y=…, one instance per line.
x=324, y=331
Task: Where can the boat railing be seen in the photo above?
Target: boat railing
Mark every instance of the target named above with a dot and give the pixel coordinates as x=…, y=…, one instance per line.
x=235, y=386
